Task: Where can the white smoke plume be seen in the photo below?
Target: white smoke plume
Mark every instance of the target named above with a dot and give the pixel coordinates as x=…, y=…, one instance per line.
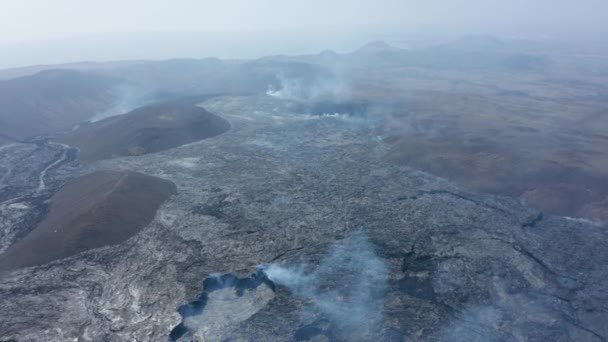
x=128, y=97
x=347, y=287
x=305, y=88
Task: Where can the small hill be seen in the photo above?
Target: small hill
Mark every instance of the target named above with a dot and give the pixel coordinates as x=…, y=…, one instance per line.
x=7, y=74
x=144, y=130
x=378, y=46
x=99, y=209
x=51, y=101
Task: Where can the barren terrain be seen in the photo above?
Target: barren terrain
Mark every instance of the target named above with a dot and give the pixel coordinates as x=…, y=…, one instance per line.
x=448, y=193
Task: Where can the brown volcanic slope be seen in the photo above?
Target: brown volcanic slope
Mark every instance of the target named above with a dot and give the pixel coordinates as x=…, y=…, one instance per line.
x=539, y=150
x=147, y=129
x=51, y=100
x=99, y=209
x=503, y=117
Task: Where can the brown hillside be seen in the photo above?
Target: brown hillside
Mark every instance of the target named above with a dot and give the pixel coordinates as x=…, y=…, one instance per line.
x=147, y=129
x=52, y=100
x=99, y=209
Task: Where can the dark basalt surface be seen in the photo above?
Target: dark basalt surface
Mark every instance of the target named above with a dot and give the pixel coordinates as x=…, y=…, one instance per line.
x=214, y=283
x=283, y=188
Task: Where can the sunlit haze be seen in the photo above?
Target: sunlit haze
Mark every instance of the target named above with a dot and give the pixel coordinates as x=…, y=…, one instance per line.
x=71, y=30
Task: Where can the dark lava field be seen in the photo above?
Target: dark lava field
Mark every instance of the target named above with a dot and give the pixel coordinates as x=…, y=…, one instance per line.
x=379, y=195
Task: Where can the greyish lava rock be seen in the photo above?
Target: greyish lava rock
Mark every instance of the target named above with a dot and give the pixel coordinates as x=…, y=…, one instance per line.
x=30, y=174
x=226, y=300
x=287, y=191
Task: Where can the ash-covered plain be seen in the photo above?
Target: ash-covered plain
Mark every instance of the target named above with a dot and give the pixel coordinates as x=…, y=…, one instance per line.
x=292, y=226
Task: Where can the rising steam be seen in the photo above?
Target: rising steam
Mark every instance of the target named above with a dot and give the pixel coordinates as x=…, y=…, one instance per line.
x=308, y=87
x=127, y=97
x=347, y=287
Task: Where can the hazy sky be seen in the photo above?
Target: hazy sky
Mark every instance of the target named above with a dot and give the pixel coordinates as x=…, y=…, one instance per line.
x=43, y=19
x=60, y=31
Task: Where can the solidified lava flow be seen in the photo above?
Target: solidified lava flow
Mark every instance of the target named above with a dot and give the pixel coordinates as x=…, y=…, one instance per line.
x=214, y=283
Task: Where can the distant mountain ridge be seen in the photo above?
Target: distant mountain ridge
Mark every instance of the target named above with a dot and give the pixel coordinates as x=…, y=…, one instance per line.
x=52, y=100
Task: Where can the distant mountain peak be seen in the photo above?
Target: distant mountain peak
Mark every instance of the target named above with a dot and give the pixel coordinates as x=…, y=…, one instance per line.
x=376, y=46
x=328, y=53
